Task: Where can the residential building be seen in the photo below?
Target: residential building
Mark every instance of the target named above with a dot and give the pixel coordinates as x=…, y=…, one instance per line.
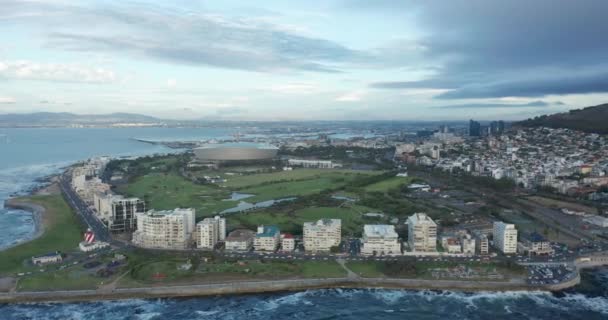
x=422, y=233
x=468, y=244
x=288, y=242
x=118, y=212
x=451, y=244
x=535, y=244
x=239, y=240
x=322, y=234
x=168, y=229
x=267, y=238
x=210, y=231
x=380, y=239
x=505, y=237
x=482, y=243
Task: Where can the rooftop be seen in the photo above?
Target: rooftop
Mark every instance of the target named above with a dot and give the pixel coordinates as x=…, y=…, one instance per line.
x=380, y=230
x=267, y=231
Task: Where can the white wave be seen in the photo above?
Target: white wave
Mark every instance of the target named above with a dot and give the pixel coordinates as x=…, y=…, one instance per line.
x=206, y=313
x=596, y=304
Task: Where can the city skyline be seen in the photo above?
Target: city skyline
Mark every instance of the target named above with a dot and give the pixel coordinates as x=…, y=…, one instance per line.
x=318, y=60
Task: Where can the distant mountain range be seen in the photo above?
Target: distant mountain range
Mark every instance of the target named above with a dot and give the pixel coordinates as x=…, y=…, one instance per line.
x=590, y=119
x=63, y=119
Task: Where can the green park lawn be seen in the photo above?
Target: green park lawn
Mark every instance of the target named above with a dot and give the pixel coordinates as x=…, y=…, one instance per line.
x=365, y=269
x=388, y=184
x=62, y=233
x=169, y=191
x=74, y=278
x=352, y=222
x=243, y=181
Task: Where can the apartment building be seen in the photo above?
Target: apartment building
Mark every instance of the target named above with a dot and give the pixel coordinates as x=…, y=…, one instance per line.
x=322, y=234
x=239, y=240
x=168, y=229
x=380, y=239
x=288, y=242
x=505, y=237
x=422, y=233
x=267, y=238
x=118, y=212
x=210, y=231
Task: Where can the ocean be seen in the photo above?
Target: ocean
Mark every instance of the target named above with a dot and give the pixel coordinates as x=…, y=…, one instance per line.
x=30, y=154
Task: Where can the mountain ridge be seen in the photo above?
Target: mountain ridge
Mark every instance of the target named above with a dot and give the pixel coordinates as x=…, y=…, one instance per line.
x=590, y=119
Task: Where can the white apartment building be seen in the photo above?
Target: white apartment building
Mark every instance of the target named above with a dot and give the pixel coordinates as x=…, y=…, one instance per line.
x=210, y=231
x=468, y=244
x=380, y=239
x=118, y=212
x=505, y=237
x=481, y=242
x=239, y=240
x=422, y=233
x=322, y=235
x=267, y=238
x=169, y=229
x=288, y=242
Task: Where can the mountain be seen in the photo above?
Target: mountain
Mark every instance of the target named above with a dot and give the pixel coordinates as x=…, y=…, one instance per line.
x=64, y=119
x=590, y=119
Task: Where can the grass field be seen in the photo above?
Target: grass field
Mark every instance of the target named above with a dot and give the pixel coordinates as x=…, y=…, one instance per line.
x=365, y=269
x=244, y=181
x=388, y=184
x=352, y=222
x=62, y=233
x=69, y=279
x=169, y=191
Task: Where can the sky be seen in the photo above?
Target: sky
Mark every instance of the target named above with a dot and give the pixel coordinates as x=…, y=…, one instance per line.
x=304, y=60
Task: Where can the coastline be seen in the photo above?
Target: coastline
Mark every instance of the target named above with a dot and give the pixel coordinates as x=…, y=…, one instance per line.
x=37, y=212
x=270, y=286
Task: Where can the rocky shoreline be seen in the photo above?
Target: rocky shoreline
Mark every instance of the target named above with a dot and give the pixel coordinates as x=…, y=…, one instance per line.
x=37, y=213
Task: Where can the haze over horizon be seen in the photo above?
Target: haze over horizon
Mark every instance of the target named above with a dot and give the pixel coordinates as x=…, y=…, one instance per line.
x=312, y=60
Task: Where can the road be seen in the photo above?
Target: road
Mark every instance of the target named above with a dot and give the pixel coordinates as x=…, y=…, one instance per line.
x=83, y=211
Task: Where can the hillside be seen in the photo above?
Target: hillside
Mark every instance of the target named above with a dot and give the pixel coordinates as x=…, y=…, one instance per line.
x=50, y=119
x=590, y=119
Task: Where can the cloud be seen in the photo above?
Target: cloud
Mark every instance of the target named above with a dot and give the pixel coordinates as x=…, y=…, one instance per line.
x=351, y=96
x=486, y=49
x=191, y=37
x=536, y=104
x=171, y=83
x=7, y=100
x=66, y=72
x=295, y=88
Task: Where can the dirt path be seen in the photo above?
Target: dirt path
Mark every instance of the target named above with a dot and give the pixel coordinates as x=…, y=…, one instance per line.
x=351, y=274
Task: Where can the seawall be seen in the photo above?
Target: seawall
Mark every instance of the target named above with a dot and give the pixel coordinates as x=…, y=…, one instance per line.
x=246, y=287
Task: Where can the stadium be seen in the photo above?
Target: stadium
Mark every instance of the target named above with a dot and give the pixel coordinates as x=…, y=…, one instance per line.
x=235, y=152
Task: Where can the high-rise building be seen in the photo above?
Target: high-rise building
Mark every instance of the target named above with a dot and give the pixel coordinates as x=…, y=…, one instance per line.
x=210, y=231
x=380, y=239
x=474, y=128
x=267, y=238
x=422, y=233
x=501, y=127
x=168, y=229
x=505, y=237
x=481, y=242
x=322, y=235
x=118, y=212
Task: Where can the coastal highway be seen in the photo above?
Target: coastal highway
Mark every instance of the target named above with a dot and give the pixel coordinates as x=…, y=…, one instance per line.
x=84, y=212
